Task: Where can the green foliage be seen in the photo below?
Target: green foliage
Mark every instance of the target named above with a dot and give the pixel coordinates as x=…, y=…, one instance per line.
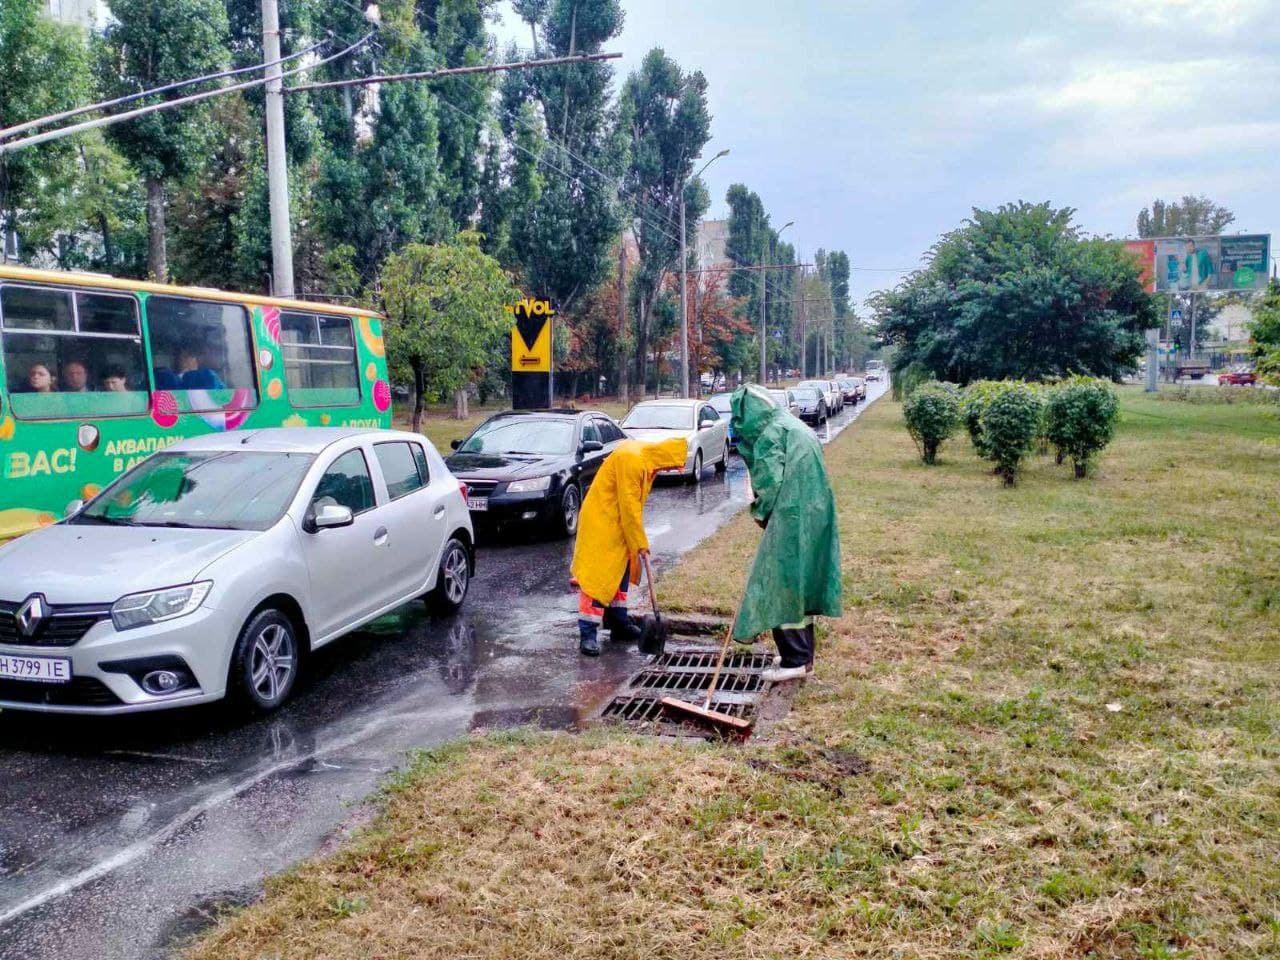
x=1009, y=421
x=975, y=399
x=1018, y=292
x=932, y=413
x=1080, y=419
x=906, y=381
x=1189, y=217
x=444, y=307
x=1268, y=367
x=1266, y=320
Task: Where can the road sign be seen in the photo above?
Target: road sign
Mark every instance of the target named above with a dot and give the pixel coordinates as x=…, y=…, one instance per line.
x=1175, y=314
x=531, y=353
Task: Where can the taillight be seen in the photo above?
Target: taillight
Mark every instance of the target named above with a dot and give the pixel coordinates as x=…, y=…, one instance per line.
x=462, y=489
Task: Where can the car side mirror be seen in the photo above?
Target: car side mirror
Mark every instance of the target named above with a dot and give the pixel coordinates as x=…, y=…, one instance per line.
x=455, y=443
x=74, y=507
x=705, y=424
x=330, y=516
x=591, y=446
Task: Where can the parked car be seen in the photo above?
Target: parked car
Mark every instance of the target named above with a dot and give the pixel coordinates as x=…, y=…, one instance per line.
x=851, y=389
x=213, y=567
x=721, y=403
x=830, y=393
x=786, y=401
x=1239, y=377
x=697, y=421
x=533, y=466
x=875, y=370
x=812, y=403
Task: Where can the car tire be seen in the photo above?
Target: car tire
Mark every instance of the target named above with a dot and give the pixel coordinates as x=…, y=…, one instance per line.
x=264, y=663
x=696, y=476
x=723, y=465
x=570, y=509
x=453, y=579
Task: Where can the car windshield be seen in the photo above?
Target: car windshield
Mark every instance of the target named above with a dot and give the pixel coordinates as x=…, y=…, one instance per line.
x=806, y=393
x=217, y=490
x=814, y=385
x=660, y=417
x=779, y=397
x=722, y=402
x=521, y=435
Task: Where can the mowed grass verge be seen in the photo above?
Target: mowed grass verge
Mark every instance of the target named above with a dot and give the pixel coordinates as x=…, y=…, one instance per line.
x=1048, y=725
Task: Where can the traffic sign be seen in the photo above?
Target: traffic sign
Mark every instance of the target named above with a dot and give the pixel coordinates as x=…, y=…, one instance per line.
x=1175, y=314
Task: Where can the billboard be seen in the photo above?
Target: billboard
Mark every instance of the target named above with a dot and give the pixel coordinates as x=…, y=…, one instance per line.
x=1204, y=264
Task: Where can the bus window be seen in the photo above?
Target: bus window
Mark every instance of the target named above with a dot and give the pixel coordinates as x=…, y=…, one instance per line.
x=202, y=354
x=72, y=354
x=319, y=360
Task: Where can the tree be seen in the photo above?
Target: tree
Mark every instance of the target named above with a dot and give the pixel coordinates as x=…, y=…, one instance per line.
x=744, y=246
x=445, y=310
x=1081, y=416
x=932, y=414
x=1189, y=217
x=663, y=115
x=1018, y=293
x=148, y=43
x=1266, y=319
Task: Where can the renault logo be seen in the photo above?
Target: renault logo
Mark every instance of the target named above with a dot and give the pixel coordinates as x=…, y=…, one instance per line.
x=31, y=614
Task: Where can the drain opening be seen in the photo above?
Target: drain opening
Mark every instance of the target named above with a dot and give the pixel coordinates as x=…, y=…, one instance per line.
x=698, y=660
x=697, y=680
x=644, y=709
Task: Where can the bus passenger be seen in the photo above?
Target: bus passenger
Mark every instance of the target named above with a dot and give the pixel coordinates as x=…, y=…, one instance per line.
x=75, y=377
x=39, y=379
x=114, y=381
x=195, y=375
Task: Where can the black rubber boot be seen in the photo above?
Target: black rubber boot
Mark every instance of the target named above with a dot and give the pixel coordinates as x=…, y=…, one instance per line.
x=622, y=628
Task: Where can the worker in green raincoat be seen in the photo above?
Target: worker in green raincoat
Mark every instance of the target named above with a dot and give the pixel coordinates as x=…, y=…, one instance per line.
x=796, y=573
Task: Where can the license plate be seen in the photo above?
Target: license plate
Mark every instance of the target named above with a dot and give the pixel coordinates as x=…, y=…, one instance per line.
x=477, y=503
x=39, y=669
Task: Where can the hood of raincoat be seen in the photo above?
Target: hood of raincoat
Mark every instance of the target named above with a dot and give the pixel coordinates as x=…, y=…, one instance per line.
x=611, y=525
x=796, y=572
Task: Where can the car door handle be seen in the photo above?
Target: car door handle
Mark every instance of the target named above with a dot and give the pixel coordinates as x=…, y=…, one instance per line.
x=438, y=512
x=380, y=537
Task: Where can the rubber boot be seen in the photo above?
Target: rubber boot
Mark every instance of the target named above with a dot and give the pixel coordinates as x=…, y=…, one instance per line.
x=588, y=639
x=622, y=628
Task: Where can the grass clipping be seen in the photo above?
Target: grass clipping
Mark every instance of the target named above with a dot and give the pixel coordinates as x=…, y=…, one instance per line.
x=1046, y=727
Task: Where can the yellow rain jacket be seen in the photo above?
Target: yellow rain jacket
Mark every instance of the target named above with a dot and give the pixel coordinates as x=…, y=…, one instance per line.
x=611, y=527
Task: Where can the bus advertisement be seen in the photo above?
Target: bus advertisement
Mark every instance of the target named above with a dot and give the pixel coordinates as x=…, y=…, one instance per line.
x=98, y=373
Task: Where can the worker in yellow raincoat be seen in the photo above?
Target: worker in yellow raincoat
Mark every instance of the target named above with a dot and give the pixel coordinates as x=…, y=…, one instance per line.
x=611, y=537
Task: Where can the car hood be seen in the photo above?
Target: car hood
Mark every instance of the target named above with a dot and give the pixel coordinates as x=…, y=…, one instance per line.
x=81, y=563
x=492, y=466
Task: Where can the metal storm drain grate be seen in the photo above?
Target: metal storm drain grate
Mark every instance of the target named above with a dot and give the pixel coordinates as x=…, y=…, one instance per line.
x=686, y=672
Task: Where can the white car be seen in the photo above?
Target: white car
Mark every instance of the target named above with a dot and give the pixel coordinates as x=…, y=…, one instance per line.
x=831, y=393
x=706, y=432
x=212, y=567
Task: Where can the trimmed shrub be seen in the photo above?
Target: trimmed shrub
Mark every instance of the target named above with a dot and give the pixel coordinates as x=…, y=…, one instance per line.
x=974, y=400
x=1081, y=416
x=1009, y=424
x=932, y=412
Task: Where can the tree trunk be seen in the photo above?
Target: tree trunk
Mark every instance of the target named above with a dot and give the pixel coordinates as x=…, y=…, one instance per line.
x=157, y=259
x=460, y=411
x=1082, y=469
x=1061, y=456
x=419, y=387
x=108, y=251
x=622, y=320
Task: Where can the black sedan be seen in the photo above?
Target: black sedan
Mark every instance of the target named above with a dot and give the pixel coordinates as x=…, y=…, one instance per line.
x=533, y=466
x=812, y=403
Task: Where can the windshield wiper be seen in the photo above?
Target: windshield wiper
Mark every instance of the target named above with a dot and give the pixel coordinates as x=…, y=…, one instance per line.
x=102, y=520
x=182, y=525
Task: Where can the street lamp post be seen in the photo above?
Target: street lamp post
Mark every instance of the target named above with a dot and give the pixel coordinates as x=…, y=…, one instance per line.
x=764, y=280
x=684, y=284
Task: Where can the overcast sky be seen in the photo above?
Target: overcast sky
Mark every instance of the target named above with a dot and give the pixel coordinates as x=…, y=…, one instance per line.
x=878, y=125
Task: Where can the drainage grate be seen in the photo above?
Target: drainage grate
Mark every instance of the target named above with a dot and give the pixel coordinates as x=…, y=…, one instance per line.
x=644, y=709
x=685, y=679
x=700, y=660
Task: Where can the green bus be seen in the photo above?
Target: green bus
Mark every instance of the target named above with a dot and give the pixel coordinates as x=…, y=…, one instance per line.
x=98, y=373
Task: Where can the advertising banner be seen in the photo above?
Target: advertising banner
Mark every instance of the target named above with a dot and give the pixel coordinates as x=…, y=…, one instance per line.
x=1206, y=264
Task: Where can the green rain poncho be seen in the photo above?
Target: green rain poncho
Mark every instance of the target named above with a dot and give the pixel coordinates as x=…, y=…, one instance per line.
x=797, y=567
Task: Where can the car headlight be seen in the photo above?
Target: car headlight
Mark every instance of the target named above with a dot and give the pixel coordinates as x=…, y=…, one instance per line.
x=156, y=606
x=536, y=485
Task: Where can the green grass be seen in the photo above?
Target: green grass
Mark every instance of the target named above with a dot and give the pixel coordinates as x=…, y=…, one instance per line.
x=1067, y=693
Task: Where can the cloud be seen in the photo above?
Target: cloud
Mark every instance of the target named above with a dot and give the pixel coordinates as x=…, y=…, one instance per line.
x=1186, y=18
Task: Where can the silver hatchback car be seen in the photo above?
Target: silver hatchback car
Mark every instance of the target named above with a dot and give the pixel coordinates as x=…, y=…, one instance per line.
x=211, y=568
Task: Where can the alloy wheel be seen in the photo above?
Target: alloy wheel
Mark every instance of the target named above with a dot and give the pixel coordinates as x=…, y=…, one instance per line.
x=457, y=571
x=272, y=662
x=571, y=506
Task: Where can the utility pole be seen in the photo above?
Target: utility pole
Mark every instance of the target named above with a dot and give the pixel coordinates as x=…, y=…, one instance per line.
x=622, y=317
x=763, y=332
x=800, y=313
x=277, y=162
x=684, y=304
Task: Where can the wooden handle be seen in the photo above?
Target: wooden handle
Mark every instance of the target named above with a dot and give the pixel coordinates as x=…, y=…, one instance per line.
x=724, y=649
x=648, y=575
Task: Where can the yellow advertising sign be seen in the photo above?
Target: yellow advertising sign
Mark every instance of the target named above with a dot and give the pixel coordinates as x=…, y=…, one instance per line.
x=531, y=336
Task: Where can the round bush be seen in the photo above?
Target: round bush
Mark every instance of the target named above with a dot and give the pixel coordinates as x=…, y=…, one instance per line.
x=974, y=401
x=932, y=412
x=1081, y=419
x=1010, y=422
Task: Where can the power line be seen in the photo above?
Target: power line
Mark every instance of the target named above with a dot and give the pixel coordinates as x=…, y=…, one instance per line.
x=170, y=104
x=452, y=72
x=129, y=98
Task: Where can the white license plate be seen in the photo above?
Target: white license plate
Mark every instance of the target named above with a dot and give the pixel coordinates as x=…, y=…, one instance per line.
x=477, y=503
x=39, y=669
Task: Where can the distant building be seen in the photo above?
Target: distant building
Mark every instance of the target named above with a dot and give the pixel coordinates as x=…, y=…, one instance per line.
x=90, y=14
x=712, y=237
x=1232, y=324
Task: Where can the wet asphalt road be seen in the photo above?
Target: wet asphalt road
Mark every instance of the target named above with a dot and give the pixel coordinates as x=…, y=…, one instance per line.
x=121, y=835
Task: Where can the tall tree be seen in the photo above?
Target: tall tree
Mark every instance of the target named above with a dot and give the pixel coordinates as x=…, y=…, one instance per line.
x=1189, y=217
x=744, y=246
x=1018, y=292
x=444, y=307
x=148, y=43
x=663, y=114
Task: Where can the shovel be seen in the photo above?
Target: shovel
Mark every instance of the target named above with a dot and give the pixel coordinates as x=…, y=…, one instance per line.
x=653, y=638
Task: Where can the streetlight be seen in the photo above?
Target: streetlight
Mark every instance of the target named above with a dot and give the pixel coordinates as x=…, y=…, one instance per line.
x=764, y=276
x=684, y=284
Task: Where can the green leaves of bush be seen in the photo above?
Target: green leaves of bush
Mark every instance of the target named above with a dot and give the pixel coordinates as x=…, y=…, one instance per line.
x=1009, y=423
x=932, y=412
x=1081, y=419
